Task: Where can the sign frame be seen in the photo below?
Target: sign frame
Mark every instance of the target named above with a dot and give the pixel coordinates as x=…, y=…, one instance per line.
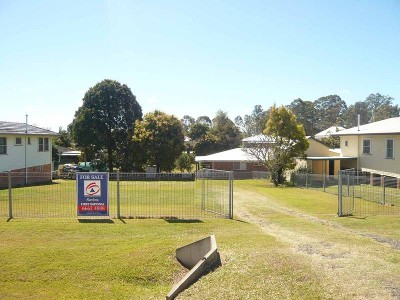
x=92, y=199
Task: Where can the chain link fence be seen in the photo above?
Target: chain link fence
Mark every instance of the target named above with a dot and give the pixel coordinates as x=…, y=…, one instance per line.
x=205, y=194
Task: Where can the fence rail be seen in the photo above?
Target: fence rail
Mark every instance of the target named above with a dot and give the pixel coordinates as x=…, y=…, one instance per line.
x=205, y=194
x=359, y=193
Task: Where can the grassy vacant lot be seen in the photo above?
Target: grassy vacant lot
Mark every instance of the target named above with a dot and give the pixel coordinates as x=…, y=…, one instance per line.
x=285, y=243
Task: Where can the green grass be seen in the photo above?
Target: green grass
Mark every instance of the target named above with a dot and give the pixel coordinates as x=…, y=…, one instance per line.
x=284, y=243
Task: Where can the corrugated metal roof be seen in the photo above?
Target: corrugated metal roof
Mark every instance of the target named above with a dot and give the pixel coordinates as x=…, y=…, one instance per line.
x=388, y=126
x=20, y=128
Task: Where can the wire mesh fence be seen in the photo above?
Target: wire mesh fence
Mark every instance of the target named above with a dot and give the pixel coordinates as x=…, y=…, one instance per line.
x=131, y=195
x=366, y=194
x=359, y=193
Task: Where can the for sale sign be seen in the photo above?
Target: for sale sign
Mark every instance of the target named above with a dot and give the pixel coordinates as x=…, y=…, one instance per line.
x=92, y=190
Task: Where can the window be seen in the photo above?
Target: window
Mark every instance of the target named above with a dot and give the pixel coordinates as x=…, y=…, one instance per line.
x=346, y=143
x=43, y=144
x=239, y=165
x=366, y=146
x=18, y=141
x=389, y=148
x=29, y=140
x=3, y=145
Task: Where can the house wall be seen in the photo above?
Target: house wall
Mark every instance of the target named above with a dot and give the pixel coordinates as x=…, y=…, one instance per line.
x=377, y=159
x=229, y=166
x=318, y=149
x=352, y=145
x=15, y=157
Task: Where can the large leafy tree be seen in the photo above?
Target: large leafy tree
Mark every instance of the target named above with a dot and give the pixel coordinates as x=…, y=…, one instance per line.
x=380, y=107
x=284, y=141
x=305, y=114
x=350, y=117
x=103, y=125
x=329, y=110
x=226, y=131
x=160, y=139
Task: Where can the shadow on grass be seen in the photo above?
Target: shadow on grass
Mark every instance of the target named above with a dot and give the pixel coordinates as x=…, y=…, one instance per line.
x=101, y=221
x=182, y=221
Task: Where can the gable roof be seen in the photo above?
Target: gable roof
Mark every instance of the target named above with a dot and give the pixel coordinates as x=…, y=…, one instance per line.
x=388, y=126
x=19, y=128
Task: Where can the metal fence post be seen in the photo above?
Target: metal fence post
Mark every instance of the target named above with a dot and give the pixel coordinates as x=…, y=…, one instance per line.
x=118, y=198
x=340, y=198
x=384, y=190
x=230, y=195
x=203, y=192
x=10, y=208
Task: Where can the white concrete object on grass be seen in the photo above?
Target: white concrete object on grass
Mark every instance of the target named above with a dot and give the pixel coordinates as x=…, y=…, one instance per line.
x=199, y=257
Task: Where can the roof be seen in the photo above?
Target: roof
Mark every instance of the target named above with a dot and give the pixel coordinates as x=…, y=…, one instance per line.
x=328, y=132
x=259, y=138
x=237, y=154
x=20, y=128
x=388, y=126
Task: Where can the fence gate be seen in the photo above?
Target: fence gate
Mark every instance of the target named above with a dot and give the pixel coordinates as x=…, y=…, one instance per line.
x=365, y=194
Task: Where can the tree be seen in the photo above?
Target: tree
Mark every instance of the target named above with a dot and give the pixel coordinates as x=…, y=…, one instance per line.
x=305, y=114
x=187, y=121
x=328, y=110
x=105, y=123
x=184, y=162
x=198, y=130
x=204, y=120
x=285, y=140
x=227, y=133
x=253, y=124
x=208, y=144
x=350, y=117
x=160, y=138
x=380, y=107
x=64, y=138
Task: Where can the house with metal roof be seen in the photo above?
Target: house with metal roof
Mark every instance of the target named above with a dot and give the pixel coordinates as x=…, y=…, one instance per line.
x=25, y=148
x=375, y=145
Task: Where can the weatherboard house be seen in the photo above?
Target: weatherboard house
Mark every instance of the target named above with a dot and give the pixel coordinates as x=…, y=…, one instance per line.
x=374, y=146
x=25, y=149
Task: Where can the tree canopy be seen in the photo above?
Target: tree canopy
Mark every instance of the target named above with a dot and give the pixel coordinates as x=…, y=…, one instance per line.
x=105, y=122
x=160, y=139
x=285, y=140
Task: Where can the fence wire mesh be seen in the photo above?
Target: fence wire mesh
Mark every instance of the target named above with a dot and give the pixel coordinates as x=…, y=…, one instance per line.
x=206, y=194
x=359, y=193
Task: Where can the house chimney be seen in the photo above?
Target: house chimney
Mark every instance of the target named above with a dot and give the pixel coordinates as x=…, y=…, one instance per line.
x=358, y=122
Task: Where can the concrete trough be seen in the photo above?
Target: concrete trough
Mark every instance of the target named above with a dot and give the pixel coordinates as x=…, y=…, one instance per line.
x=199, y=257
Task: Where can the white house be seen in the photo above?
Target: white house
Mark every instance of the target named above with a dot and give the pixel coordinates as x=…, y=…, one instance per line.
x=25, y=148
x=375, y=145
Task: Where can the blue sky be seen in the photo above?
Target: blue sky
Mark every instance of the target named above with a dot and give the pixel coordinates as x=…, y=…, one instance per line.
x=194, y=57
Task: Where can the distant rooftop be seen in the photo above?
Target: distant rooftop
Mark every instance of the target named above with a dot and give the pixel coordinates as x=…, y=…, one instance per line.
x=328, y=132
x=388, y=126
x=20, y=128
